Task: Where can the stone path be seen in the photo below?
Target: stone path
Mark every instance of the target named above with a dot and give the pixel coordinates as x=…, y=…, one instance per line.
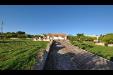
x=64, y=56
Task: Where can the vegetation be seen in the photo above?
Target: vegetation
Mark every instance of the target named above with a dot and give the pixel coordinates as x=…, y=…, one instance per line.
x=84, y=44
x=18, y=34
x=81, y=37
x=108, y=38
x=19, y=55
x=104, y=51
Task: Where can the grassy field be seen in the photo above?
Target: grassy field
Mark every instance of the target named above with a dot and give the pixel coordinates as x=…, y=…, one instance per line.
x=104, y=51
x=19, y=55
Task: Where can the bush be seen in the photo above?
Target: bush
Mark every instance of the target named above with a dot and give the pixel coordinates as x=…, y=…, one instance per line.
x=83, y=45
x=104, y=51
x=108, y=38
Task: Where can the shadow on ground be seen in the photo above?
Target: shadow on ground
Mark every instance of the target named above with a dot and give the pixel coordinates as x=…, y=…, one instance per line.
x=74, y=61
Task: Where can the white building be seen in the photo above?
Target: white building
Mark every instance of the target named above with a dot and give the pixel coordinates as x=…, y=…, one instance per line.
x=57, y=36
x=51, y=37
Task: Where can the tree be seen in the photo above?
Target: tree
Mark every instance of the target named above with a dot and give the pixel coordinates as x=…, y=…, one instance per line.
x=108, y=38
x=29, y=36
x=38, y=35
x=14, y=35
x=45, y=35
x=88, y=38
x=8, y=35
x=21, y=34
x=80, y=37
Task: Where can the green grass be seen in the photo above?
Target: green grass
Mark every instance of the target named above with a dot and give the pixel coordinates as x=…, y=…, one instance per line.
x=104, y=51
x=19, y=55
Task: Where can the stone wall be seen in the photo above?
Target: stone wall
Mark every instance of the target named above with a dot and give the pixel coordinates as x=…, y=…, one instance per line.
x=41, y=58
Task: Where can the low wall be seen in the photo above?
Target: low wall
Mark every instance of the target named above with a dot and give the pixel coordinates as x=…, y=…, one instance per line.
x=41, y=58
x=110, y=45
x=102, y=44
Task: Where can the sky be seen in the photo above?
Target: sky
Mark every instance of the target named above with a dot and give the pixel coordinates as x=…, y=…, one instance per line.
x=69, y=19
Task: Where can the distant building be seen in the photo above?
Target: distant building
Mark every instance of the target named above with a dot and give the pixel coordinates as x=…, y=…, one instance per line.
x=57, y=36
x=50, y=37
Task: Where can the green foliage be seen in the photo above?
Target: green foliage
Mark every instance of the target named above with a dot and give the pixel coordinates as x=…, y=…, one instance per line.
x=83, y=45
x=87, y=38
x=100, y=38
x=19, y=55
x=72, y=38
x=29, y=36
x=108, y=38
x=106, y=52
x=81, y=37
x=85, y=42
x=18, y=34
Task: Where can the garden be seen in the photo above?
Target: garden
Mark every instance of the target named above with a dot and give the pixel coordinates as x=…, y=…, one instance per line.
x=103, y=51
x=19, y=54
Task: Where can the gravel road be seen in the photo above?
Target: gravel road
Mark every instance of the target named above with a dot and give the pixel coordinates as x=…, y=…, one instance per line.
x=64, y=56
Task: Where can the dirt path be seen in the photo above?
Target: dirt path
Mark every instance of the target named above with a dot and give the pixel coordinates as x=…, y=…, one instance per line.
x=64, y=56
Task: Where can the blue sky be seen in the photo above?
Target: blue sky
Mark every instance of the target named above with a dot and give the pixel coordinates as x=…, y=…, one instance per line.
x=69, y=19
